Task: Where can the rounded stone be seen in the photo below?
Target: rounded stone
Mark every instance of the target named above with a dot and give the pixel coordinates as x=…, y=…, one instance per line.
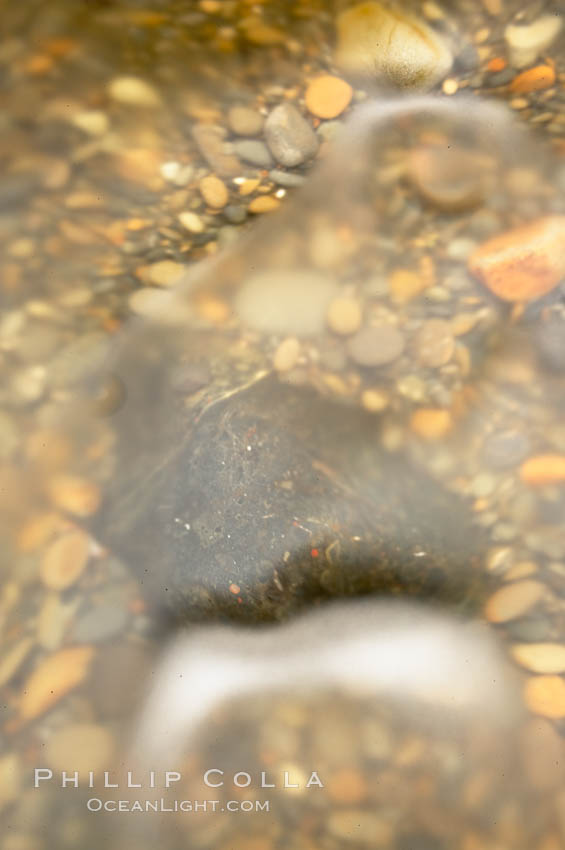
x=214, y=191
x=284, y=302
x=286, y=355
x=523, y=263
x=133, y=91
x=434, y=343
x=80, y=746
x=289, y=136
x=254, y=152
x=328, y=96
x=378, y=42
x=506, y=448
x=244, y=121
x=550, y=341
x=376, y=345
x=344, y=316
x=513, y=601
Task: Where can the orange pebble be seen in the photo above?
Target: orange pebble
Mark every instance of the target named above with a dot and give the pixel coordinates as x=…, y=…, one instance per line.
x=498, y=63
x=54, y=677
x=431, y=423
x=39, y=64
x=534, y=79
x=543, y=469
x=545, y=695
x=327, y=96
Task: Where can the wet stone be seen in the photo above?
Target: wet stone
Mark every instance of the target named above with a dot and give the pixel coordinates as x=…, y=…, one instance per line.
x=525, y=42
x=505, y=449
x=286, y=302
x=376, y=346
x=244, y=121
x=434, y=343
x=389, y=44
x=289, y=136
x=100, y=623
x=235, y=213
x=118, y=679
x=286, y=178
x=210, y=142
x=530, y=629
x=208, y=531
x=253, y=152
x=550, y=341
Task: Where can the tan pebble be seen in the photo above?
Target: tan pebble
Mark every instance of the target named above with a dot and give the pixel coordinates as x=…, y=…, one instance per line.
x=140, y=165
x=54, y=677
x=451, y=179
x=52, y=621
x=38, y=530
x=48, y=449
x=13, y=659
x=191, y=222
x=80, y=746
x=523, y=263
x=543, y=469
x=213, y=310
x=545, y=695
x=64, y=560
x=347, y=786
x=463, y=323
x=165, y=272
x=263, y=204
x=434, y=343
x=245, y=121
x=344, y=316
x=286, y=355
x=248, y=186
x=540, y=657
x=543, y=754
x=328, y=96
x=513, y=600
x=431, y=423
x=214, y=191
x=11, y=775
x=404, y=285
x=77, y=496
x=493, y=7
x=521, y=570
x=375, y=400
x=133, y=91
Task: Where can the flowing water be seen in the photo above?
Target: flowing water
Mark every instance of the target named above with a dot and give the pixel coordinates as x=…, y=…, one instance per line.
x=281, y=443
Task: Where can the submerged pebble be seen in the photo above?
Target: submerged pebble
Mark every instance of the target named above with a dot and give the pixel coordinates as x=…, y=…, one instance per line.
x=290, y=301
x=391, y=45
x=289, y=136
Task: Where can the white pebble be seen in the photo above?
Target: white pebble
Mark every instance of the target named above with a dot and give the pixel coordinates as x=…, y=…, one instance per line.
x=525, y=42
x=134, y=92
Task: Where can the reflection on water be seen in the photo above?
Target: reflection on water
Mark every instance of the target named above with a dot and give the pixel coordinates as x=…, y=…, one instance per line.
x=207, y=418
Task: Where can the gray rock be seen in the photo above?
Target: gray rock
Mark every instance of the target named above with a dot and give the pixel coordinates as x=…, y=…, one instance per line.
x=235, y=213
x=210, y=140
x=245, y=121
x=375, y=346
x=506, y=448
x=286, y=178
x=101, y=623
x=254, y=152
x=289, y=136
